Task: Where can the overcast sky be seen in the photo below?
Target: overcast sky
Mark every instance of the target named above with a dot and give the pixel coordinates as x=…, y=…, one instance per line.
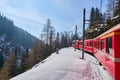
x=31, y=15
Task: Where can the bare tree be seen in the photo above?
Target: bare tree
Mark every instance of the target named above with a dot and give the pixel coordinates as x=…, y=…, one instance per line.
x=48, y=32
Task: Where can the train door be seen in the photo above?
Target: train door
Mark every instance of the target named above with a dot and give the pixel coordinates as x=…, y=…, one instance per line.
x=117, y=55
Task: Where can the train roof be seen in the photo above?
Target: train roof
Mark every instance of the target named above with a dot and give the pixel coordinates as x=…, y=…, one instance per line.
x=113, y=29
x=89, y=39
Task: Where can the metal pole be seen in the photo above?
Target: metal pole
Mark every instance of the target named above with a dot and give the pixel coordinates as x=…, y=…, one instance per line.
x=83, y=34
x=75, y=36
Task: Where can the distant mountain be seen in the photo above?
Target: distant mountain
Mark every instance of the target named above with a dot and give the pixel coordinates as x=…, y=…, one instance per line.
x=14, y=34
x=14, y=39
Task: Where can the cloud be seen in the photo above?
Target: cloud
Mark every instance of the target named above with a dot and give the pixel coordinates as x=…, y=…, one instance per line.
x=70, y=7
x=64, y=5
x=14, y=12
x=30, y=21
x=1, y=1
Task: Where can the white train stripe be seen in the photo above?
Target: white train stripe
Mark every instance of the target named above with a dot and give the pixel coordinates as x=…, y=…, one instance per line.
x=112, y=58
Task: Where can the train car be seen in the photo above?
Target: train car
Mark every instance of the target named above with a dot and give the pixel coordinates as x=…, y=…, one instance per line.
x=88, y=45
x=80, y=44
x=75, y=44
x=106, y=48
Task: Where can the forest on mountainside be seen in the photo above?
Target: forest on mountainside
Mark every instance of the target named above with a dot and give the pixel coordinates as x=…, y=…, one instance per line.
x=14, y=34
x=14, y=43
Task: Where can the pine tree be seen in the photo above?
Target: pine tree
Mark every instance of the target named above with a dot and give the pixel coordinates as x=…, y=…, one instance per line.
x=35, y=55
x=65, y=39
x=31, y=59
x=1, y=59
x=4, y=73
x=25, y=60
x=62, y=40
x=9, y=68
x=92, y=17
x=51, y=38
x=97, y=16
x=69, y=40
x=102, y=18
x=57, y=43
x=38, y=50
x=117, y=9
x=110, y=8
x=12, y=61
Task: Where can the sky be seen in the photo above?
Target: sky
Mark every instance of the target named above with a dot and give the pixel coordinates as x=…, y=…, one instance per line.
x=31, y=15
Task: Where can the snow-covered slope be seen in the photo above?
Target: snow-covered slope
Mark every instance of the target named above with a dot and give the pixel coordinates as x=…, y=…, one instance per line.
x=67, y=65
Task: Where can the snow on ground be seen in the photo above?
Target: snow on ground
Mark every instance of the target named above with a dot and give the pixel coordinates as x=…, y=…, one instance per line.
x=67, y=65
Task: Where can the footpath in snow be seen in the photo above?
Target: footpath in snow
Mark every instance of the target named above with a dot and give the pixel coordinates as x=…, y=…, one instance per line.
x=67, y=65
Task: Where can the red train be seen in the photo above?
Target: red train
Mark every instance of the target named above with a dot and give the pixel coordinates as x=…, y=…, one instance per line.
x=106, y=48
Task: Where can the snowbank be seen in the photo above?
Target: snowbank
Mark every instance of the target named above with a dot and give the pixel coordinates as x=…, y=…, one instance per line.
x=66, y=65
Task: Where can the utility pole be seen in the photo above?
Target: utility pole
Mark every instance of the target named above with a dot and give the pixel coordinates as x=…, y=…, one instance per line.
x=84, y=11
x=75, y=35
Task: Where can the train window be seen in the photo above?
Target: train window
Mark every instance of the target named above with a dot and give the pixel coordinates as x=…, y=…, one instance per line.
x=90, y=43
x=80, y=43
x=95, y=44
x=99, y=44
x=109, y=45
x=102, y=44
